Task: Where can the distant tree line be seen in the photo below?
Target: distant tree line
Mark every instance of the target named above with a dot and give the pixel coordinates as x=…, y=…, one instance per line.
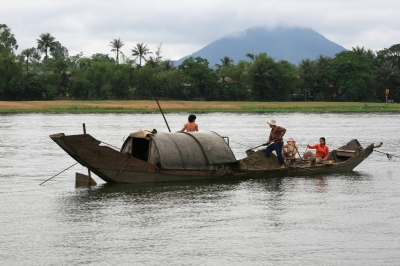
x=47, y=72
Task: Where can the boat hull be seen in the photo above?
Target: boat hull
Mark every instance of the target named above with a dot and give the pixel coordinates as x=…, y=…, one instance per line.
x=114, y=166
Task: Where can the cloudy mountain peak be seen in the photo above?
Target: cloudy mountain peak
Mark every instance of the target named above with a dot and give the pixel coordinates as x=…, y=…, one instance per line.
x=281, y=43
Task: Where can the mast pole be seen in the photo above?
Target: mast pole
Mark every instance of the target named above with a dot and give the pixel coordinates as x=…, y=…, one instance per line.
x=158, y=104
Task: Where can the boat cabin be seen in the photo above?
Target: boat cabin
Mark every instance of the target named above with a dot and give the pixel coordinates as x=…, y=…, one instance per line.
x=182, y=150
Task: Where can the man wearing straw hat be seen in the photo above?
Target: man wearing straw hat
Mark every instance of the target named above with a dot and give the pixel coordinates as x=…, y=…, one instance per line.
x=275, y=142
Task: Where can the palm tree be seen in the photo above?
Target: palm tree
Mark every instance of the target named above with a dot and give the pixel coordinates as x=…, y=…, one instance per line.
x=251, y=56
x=305, y=68
x=264, y=73
x=387, y=71
x=151, y=62
x=262, y=70
x=371, y=54
x=45, y=43
x=358, y=50
x=167, y=65
x=322, y=65
x=28, y=54
x=225, y=62
x=323, y=62
x=116, y=46
x=140, y=51
x=362, y=51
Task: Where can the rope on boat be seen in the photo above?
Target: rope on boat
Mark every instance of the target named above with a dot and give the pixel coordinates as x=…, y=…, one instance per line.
x=127, y=160
x=109, y=145
x=389, y=156
x=57, y=174
x=247, y=146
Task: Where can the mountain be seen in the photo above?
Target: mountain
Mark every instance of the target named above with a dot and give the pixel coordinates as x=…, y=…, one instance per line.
x=281, y=43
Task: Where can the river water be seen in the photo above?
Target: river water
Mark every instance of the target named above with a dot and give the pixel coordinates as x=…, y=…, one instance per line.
x=338, y=219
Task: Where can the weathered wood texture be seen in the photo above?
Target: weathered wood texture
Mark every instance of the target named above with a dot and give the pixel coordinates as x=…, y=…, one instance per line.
x=84, y=180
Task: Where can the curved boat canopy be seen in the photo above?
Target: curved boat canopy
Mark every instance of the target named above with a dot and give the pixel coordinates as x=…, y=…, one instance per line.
x=182, y=150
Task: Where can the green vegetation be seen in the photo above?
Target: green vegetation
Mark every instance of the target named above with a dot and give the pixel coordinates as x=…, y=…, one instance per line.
x=358, y=75
x=190, y=107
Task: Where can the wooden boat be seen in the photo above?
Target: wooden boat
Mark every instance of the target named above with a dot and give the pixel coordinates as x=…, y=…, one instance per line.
x=151, y=156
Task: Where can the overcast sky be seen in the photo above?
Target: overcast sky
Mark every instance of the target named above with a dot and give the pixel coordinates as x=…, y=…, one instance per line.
x=185, y=26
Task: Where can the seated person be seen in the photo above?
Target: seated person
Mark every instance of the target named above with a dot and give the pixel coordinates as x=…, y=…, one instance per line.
x=290, y=149
x=322, y=152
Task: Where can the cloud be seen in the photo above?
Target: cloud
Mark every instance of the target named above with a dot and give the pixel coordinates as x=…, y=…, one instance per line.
x=185, y=26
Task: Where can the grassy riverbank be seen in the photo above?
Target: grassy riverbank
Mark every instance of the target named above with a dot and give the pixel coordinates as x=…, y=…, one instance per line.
x=188, y=107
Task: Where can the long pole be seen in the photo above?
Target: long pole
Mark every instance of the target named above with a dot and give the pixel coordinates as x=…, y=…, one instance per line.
x=305, y=93
x=84, y=132
x=305, y=150
x=387, y=93
x=294, y=143
x=256, y=147
x=57, y=174
x=158, y=103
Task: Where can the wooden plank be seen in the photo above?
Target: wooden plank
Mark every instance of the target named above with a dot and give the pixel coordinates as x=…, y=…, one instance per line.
x=345, y=153
x=345, y=150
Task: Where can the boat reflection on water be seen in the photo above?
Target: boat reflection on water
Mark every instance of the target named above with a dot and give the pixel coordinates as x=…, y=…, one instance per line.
x=320, y=184
x=189, y=189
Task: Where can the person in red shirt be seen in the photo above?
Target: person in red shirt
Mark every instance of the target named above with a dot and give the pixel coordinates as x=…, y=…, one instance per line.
x=322, y=151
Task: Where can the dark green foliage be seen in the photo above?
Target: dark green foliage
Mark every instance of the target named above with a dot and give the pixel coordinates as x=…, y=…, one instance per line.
x=121, y=80
x=285, y=80
x=235, y=80
x=36, y=89
x=356, y=75
x=392, y=54
x=15, y=89
x=79, y=88
x=169, y=85
x=7, y=39
x=270, y=81
x=262, y=71
x=59, y=51
x=101, y=58
x=352, y=76
x=199, y=79
x=387, y=65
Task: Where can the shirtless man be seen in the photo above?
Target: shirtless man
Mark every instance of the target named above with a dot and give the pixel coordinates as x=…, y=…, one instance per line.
x=191, y=125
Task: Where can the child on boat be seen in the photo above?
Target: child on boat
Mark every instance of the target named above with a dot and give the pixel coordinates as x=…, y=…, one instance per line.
x=290, y=149
x=190, y=126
